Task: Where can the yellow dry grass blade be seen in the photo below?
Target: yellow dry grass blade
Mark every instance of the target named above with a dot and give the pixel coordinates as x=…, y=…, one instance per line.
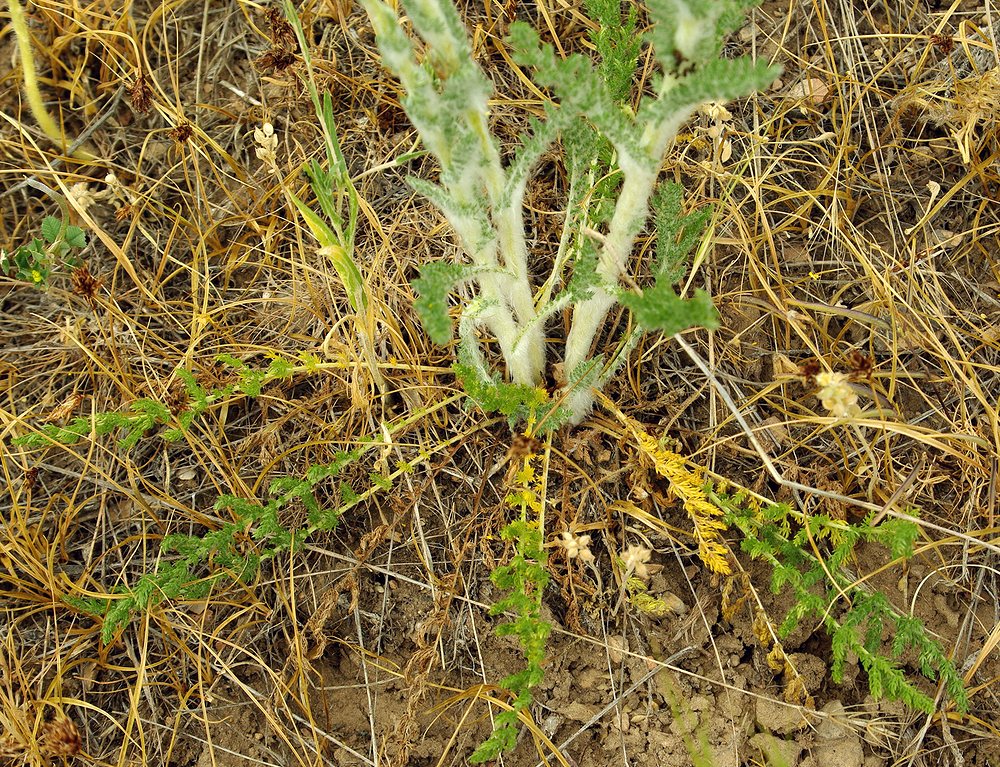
x=991, y=643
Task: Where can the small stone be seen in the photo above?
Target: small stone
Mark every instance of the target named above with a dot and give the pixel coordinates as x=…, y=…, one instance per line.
x=784, y=367
x=551, y=723
x=589, y=678
x=616, y=649
x=947, y=239
x=842, y=752
x=776, y=750
x=776, y=429
x=623, y=722
x=780, y=718
x=701, y=703
x=834, y=724
x=579, y=712
x=838, y=745
x=811, y=669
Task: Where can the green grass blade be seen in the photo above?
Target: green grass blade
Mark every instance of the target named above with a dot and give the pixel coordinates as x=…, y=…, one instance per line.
x=339, y=255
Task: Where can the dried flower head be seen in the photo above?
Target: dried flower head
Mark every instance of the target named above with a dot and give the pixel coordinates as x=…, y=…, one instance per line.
x=522, y=446
x=115, y=186
x=974, y=106
x=716, y=111
x=181, y=132
x=809, y=370
x=282, y=34
x=577, y=546
x=125, y=211
x=861, y=366
x=281, y=54
x=943, y=43
x=118, y=191
x=274, y=60
x=85, y=284
x=267, y=145
x=84, y=196
x=837, y=395
x=635, y=558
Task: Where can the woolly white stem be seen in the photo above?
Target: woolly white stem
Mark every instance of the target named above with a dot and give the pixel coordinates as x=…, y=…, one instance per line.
x=630, y=212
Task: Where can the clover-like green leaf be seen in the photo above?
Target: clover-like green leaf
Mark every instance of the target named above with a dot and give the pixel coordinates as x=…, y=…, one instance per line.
x=51, y=227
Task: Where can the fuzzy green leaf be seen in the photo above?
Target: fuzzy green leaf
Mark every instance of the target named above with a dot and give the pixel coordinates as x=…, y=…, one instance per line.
x=503, y=739
x=75, y=237
x=435, y=282
x=516, y=401
x=718, y=80
x=577, y=85
x=539, y=136
x=676, y=232
x=439, y=24
x=660, y=308
x=692, y=31
x=617, y=44
x=898, y=535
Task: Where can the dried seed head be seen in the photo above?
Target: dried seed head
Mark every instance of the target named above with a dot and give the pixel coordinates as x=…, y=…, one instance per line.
x=716, y=111
x=522, y=446
x=274, y=60
x=181, y=132
x=267, y=145
x=809, y=370
x=861, y=366
x=60, y=737
x=943, y=43
x=84, y=196
x=281, y=54
x=141, y=95
x=282, y=34
x=85, y=284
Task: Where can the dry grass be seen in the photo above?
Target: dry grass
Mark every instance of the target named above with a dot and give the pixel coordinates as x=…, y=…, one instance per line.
x=857, y=226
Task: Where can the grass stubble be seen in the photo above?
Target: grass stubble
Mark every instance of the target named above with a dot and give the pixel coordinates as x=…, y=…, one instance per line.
x=855, y=224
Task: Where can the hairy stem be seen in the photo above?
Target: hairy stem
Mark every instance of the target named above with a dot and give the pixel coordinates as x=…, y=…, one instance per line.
x=589, y=315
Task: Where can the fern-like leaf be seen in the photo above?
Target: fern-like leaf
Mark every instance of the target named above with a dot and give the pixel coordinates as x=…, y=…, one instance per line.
x=660, y=308
x=435, y=282
x=688, y=486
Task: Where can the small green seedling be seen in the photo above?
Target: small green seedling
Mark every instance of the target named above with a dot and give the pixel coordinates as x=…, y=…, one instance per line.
x=35, y=262
x=339, y=201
